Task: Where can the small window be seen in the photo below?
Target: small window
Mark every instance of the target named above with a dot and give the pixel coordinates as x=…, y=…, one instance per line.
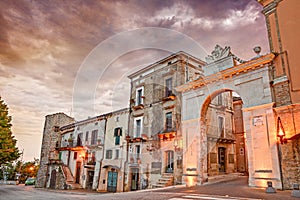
x=75, y=155
x=117, y=134
x=220, y=99
x=138, y=127
x=137, y=151
x=168, y=87
x=221, y=127
x=87, y=136
x=108, y=154
x=242, y=151
x=117, y=154
x=79, y=139
x=169, y=121
x=139, y=96
x=94, y=137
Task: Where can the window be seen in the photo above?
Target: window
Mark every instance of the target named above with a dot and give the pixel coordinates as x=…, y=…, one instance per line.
x=137, y=151
x=117, y=134
x=138, y=127
x=221, y=127
x=220, y=99
x=139, y=96
x=168, y=87
x=94, y=137
x=169, y=121
x=79, y=139
x=242, y=151
x=87, y=136
x=93, y=159
x=117, y=154
x=75, y=155
x=108, y=154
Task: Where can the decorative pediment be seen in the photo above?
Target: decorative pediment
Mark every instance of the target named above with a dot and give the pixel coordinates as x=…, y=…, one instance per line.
x=218, y=53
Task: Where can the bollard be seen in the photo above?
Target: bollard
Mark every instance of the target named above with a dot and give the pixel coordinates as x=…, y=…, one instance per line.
x=270, y=188
x=296, y=191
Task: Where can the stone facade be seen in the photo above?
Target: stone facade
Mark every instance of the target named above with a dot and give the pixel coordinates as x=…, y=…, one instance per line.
x=155, y=139
x=50, y=141
x=239, y=132
x=282, y=18
x=220, y=136
x=289, y=150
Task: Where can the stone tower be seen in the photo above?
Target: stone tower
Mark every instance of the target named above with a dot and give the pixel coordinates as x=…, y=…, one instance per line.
x=51, y=137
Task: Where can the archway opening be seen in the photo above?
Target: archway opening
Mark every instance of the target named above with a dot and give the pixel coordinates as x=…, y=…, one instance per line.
x=222, y=117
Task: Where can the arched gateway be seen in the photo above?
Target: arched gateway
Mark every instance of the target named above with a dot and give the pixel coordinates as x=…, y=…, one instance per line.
x=251, y=80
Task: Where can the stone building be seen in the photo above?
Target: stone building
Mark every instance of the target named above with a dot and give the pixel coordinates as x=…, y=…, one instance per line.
x=49, y=154
x=81, y=151
x=283, y=21
x=220, y=135
x=239, y=134
x=112, y=177
x=155, y=139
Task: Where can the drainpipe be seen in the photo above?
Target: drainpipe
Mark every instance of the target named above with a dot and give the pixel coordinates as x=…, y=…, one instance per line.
x=127, y=142
x=103, y=148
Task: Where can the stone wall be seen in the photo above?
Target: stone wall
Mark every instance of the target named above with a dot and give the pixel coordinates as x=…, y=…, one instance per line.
x=290, y=151
x=281, y=92
x=51, y=135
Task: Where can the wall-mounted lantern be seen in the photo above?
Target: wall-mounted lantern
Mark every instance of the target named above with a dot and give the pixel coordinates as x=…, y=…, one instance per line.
x=280, y=131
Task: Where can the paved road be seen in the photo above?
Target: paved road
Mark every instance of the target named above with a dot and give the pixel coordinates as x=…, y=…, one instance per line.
x=233, y=190
x=238, y=187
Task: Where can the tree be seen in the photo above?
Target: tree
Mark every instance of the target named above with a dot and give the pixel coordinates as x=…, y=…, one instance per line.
x=8, y=150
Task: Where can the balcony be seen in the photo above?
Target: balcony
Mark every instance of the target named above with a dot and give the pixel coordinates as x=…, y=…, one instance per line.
x=170, y=97
x=135, y=139
x=138, y=107
x=72, y=145
x=167, y=134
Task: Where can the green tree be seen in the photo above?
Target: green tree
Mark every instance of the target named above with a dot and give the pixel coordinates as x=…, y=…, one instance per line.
x=8, y=150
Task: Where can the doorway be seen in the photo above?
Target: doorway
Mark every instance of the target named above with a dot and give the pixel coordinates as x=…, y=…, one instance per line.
x=134, y=179
x=112, y=180
x=53, y=179
x=90, y=179
x=169, y=161
x=78, y=169
x=222, y=159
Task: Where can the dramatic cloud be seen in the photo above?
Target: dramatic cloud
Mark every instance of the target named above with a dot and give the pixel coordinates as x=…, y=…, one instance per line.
x=43, y=44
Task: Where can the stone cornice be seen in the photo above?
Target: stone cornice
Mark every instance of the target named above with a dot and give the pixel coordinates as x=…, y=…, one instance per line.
x=228, y=73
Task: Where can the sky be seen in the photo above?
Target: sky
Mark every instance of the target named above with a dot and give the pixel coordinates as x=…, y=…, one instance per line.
x=74, y=56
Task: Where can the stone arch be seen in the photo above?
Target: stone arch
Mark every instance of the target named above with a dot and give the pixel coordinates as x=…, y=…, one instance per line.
x=251, y=80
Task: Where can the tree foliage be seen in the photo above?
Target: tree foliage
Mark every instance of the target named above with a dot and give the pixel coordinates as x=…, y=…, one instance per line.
x=8, y=150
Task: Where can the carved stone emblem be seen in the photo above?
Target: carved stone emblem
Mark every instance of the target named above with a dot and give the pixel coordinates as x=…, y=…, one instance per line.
x=218, y=54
